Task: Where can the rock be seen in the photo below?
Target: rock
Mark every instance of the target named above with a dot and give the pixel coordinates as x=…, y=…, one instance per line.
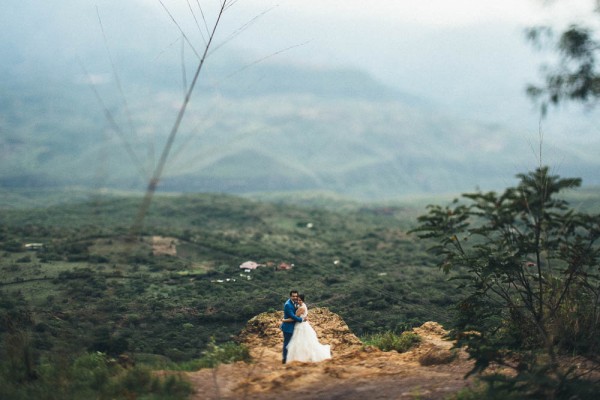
x=354, y=372
x=263, y=331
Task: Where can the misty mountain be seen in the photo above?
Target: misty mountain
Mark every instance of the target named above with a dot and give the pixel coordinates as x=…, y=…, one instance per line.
x=252, y=127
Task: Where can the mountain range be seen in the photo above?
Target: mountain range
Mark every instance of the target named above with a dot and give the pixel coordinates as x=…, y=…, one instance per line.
x=255, y=128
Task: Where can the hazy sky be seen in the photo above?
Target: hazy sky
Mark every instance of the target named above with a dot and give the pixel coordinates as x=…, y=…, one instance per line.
x=468, y=56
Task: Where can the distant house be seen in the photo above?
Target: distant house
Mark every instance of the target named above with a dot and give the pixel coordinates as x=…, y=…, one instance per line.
x=34, y=246
x=249, y=265
x=284, y=266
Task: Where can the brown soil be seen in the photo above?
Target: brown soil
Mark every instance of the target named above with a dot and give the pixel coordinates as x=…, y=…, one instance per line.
x=431, y=370
x=164, y=245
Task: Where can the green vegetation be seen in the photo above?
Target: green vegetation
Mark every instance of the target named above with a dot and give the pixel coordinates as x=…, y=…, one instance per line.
x=215, y=355
x=93, y=375
x=92, y=289
x=388, y=341
x=574, y=77
x=531, y=270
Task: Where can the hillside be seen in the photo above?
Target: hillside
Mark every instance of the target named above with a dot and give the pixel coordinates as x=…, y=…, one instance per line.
x=275, y=127
x=125, y=295
x=76, y=282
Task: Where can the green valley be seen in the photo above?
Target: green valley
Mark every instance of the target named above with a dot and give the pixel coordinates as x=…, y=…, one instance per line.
x=92, y=287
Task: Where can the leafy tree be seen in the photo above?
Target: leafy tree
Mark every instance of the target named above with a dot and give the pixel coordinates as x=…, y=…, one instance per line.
x=530, y=263
x=575, y=76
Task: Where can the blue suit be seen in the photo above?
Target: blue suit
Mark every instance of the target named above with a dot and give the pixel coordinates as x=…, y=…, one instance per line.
x=289, y=311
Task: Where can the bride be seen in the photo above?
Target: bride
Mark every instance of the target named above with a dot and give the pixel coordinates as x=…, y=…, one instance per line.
x=304, y=345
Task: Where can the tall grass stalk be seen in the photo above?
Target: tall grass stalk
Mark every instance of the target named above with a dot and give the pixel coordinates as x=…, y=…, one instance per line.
x=154, y=180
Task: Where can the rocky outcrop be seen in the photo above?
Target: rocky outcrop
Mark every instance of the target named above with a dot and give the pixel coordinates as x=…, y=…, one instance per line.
x=262, y=332
x=432, y=369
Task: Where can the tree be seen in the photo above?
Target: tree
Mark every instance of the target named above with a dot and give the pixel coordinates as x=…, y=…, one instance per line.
x=530, y=264
x=575, y=77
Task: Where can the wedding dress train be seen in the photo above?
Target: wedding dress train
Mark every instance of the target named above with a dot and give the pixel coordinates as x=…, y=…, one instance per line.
x=304, y=345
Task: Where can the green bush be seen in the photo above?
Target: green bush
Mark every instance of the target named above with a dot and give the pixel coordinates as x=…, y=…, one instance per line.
x=94, y=376
x=500, y=387
x=529, y=263
x=24, y=259
x=389, y=341
x=226, y=353
x=12, y=245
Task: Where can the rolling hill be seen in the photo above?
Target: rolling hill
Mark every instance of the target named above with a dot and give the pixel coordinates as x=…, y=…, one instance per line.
x=269, y=128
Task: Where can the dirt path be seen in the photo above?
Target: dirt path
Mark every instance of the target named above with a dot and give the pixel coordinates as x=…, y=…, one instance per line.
x=354, y=372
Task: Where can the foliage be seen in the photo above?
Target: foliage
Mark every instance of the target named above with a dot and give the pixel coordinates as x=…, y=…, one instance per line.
x=215, y=355
x=531, y=268
x=16, y=348
x=575, y=76
x=163, y=310
x=498, y=387
x=92, y=289
x=388, y=341
x=94, y=375
x=136, y=301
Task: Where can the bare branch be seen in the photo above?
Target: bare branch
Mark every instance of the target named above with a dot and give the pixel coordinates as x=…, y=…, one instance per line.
x=119, y=88
x=262, y=59
x=203, y=17
x=196, y=19
x=163, y=158
x=183, y=71
x=115, y=126
x=180, y=30
x=241, y=29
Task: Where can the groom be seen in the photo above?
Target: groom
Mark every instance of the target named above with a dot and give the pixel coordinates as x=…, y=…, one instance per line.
x=289, y=311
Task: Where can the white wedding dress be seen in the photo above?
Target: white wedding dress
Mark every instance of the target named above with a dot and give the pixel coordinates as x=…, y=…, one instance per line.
x=304, y=345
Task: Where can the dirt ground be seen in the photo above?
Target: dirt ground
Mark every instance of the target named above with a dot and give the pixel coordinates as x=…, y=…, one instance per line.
x=164, y=245
x=430, y=370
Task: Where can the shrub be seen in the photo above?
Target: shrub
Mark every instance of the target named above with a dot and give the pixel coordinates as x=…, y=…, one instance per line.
x=389, y=341
x=530, y=264
x=95, y=376
x=226, y=353
x=498, y=387
x=13, y=246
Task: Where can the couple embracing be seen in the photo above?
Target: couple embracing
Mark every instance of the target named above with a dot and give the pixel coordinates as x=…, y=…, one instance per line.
x=300, y=342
